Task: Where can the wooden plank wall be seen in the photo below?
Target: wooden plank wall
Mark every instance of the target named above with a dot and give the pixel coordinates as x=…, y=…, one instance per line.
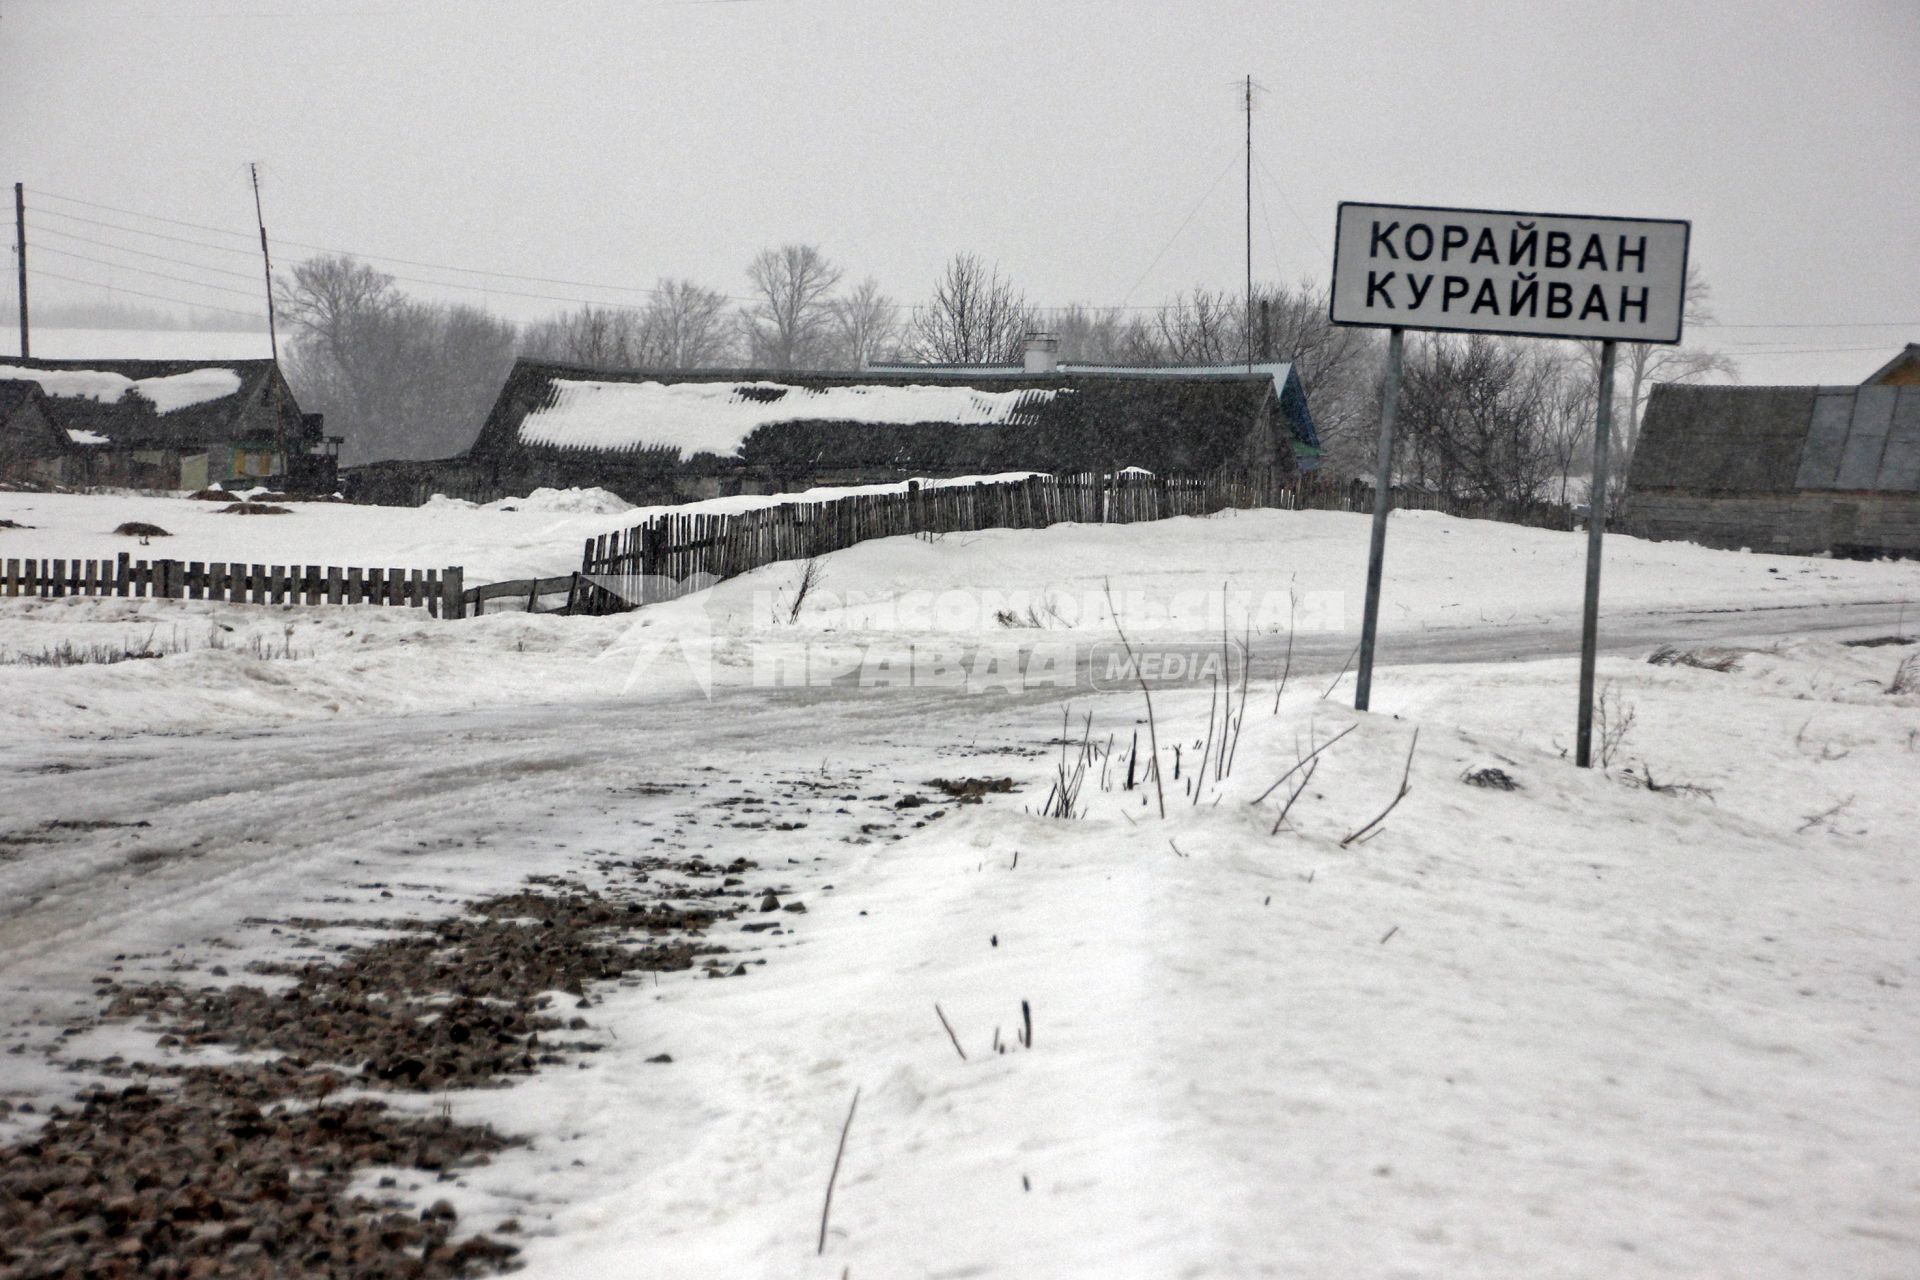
x=436, y=590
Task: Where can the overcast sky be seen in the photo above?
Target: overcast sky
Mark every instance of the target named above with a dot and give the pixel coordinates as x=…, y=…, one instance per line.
x=1093, y=150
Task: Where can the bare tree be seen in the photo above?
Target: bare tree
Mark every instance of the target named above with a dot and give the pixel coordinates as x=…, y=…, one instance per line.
x=1203, y=327
x=1566, y=420
x=865, y=323
x=790, y=319
x=1106, y=337
x=600, y=337
x=1338, y=366
x=686, y=326
x=398, y=377
x=974, y=317
x=1473, y=408
x=330, y=303
x=1644, y=364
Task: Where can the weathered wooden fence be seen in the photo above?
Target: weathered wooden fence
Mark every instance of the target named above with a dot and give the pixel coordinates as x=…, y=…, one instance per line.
x=673, y=553
x=439, y=591
x=526, y=592
x=1315, y=493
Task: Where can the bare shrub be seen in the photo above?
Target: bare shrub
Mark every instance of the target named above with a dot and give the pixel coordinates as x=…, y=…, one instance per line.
x=1722, y=660
x=811, y=574
x=1063, y=799
x=1906, y=676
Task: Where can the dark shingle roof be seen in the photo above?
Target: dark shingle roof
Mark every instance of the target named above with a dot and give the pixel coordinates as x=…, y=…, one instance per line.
x=1780, y=439
x=220, y=418
x=845, y=420
x=15, y=392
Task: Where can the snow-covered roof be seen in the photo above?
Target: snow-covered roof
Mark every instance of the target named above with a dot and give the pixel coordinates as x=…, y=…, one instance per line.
x=82, y=436
x=168, y=393
x=716, y=417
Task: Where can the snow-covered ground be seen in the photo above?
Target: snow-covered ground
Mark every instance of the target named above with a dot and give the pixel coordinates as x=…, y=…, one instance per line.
x=1588, y=1027
x=1455, y=590
x=1577, y=1029
x=539, y=535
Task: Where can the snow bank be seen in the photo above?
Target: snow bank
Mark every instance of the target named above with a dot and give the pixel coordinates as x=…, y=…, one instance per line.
x=590, y=502
x=174, y=391
x=1578, y=1028
x=715, y=417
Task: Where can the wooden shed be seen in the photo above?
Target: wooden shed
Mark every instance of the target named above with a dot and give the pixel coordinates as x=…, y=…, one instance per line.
x=1804, y=470
x=163, y=424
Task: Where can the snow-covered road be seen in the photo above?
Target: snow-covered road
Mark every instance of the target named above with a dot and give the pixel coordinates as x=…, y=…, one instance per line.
x=168, y=838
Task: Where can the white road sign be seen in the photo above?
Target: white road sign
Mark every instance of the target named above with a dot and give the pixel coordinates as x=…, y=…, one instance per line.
x=1537, y=275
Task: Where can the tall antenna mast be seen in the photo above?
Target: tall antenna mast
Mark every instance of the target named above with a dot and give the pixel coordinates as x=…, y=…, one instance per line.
x=20, y=247
x=266, y=259
x=1248, y=324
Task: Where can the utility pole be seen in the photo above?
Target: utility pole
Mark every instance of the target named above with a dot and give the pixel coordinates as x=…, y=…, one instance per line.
x=1249, y=308
x=20, y=250
x=266, y=260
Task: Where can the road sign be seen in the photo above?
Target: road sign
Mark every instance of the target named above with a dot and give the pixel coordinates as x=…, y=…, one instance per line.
x=1533, y=275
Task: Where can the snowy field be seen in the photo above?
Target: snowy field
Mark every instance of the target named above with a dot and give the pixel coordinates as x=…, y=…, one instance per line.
x=540, y=535
x=1650, y=1020
x=138, y=344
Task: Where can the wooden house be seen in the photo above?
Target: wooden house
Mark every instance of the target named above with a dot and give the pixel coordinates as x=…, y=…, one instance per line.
x=160, y=424
x=1804, y=470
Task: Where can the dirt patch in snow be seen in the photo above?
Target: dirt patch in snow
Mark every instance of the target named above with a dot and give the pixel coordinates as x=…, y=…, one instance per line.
x=971, y=790
x=245, y=1171
x=232, y=1172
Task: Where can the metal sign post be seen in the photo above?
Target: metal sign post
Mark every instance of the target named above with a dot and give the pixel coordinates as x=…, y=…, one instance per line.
x=1382, y=503
x=1583, y=277
x=1596, y=529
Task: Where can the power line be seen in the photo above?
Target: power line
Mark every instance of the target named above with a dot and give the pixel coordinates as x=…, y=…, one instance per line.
x=154, y=297
x=1807, y=351
x=201, y=244
x=1831, y=324
x=159, y=275
x=1265, y=171
x=140, y=253
x=477, y=271
x=135, y=213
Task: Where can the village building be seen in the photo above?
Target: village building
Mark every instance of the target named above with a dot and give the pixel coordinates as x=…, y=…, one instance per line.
x=659, y=437
x=158, y=424
x=1042, y=357
x=1803, y=470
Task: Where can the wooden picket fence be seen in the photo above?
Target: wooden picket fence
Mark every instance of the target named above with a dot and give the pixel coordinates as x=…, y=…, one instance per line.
x=672, y=554
x=439, y=591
